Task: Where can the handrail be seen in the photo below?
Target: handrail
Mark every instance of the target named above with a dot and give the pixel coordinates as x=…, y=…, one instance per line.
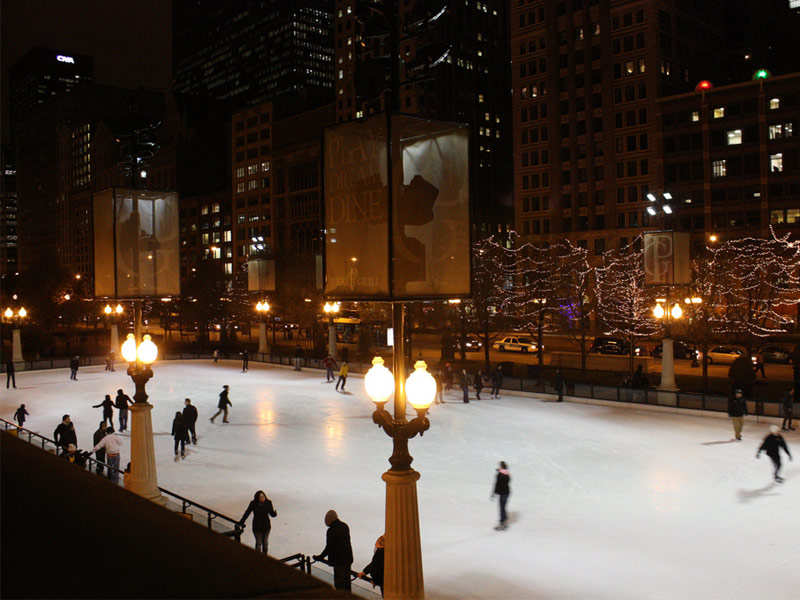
x=353, y=574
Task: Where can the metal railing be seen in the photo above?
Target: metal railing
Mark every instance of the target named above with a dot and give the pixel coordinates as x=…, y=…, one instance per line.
x=355, y=580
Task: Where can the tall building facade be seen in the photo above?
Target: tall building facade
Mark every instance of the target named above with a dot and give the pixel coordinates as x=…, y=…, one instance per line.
x=8, y=214
x=587, y=76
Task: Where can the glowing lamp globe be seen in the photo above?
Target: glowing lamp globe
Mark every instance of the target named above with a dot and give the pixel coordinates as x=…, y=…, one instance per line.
x=761, y=74
x=658, y=312
x=703, y=85
x=8, y=314
x=22, y=312
x=118, y=309
x=420, y=386
x=129, y=349
x=677, y=311
x=379, y=381
x=148, y=351
x=107, y=309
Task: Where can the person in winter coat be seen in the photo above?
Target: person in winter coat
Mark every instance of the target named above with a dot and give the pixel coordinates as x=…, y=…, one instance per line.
x=772, y=445
x=223, y=405
x=108, y=409
x=245, y=361
x=122, y=402
x=788, y=410
x=190, y=418
x=216, y=355
x=497, y=381
x=338, y=550
x=560, y=385
x=20, y=414
x=74, y=363
x=449, y=377
x=343, y=370
x=262, y=510
x=501, y=489
x=75, y=456
x=737, y=409
x=375, y=568
x=11, y=374
x=465, y=385
x=111, y=443
x=478, y=383
x=64, y=434
x=439, y=398
x=330, y=364
x=179, y=434
x=298, y=357
x=100, y=455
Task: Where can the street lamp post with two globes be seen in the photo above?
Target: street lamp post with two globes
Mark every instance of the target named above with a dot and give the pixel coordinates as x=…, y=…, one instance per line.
x=16, y=334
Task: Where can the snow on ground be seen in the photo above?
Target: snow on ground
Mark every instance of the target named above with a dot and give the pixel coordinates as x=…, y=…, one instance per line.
x=605, y=502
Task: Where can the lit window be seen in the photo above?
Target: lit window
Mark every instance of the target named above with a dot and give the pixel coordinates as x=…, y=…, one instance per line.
x=776, y=217
x=734, y=137
x=641, y=65
x=695, y=116
x=718, y=168
x=341, y=74
x=719, y=112
x=265, y=166
x=359, y=114
x=781, y=130
x=228, y=268
x=240, y=172
x=252, y=169
x=776, y=162
x=774, y=103
x=227, y=235
x=793, y=215
x=629, y=67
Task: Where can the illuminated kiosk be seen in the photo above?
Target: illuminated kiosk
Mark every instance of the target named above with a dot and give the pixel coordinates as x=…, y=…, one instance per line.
x=136, y=257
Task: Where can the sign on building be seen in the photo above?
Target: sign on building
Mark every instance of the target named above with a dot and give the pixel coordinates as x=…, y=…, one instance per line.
x=261, y=275
x=666, y=258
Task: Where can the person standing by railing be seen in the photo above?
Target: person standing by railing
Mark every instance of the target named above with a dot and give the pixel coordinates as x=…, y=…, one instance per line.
x=64, y=434
x=262, y=510
x=74, y=363
x=497, y=381
x=21, y=413
x=338, y=550
x=788, y=410
x=101, y=454
x=375, y=568
x=111, y=443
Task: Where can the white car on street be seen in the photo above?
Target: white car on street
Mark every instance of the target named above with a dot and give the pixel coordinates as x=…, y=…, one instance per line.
x=515, y=343
x=722, y=355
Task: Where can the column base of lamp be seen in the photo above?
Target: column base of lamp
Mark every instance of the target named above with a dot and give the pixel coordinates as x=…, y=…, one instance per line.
x=403, y=577
x=668, y=387
x=143, y=479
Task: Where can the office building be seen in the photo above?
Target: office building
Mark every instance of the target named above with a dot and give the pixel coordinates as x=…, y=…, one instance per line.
x=8, y=214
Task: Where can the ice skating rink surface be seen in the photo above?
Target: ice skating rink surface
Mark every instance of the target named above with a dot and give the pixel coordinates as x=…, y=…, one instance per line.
x=605, y=502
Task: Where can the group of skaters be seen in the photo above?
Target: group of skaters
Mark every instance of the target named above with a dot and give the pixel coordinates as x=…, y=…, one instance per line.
x=330, y=366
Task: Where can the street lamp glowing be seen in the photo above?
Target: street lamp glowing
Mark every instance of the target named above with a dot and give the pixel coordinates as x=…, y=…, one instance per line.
x=651, y=211
x=22, y=312
x=712, y=237
x=658, y=311
x=107, y=309
x=129, y=349
x=420, y=386
x=262, y=306
x=667, y=209
x=651, y=197
x=331, y=307
x=8, y=313
x=147, y=351
x=118, y=309
x=379, y=381
x=677, y=311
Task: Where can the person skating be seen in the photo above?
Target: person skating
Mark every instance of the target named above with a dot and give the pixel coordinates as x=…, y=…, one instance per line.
x=179, y=434
x=465, y=386
x=215, y=355
x=190, y=418
x=108, y=409
x=439, y=397
x=497, y=381
x=298, y=357
x=262, y=510
x=245, y=361
x=560, y=385
x=343, y=370
x=502, y=489
x=338, y=550
x=74, y=364
x=122, y=401
x=110, y=361
x=449, y=377
x=223, y=405
x=772, y=445
x=788, y=410
x=477, y=381
x=64, y=434
x=330, y=364
x=737, y=409
x=375, y=568
x=111, y=443
x=20, y=414
x=11, y=374
x=100, y=455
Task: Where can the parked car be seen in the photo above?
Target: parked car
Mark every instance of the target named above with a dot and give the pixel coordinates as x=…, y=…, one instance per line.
x=609, y=345
x=679, y=350
x=471, y=343
x=775, y=354
x=723, y=355
x=515, y=343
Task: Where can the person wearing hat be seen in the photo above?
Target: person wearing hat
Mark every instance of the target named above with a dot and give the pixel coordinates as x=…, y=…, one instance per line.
x=737, y=409
x=772, y=445
x=338, y=550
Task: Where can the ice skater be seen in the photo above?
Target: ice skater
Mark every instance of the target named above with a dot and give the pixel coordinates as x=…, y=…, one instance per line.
x=737, y=409
x=20, y=414
x=788, y=410
x=375, y=568
x=64, y=434
x=215, y=355
x=262, y=510
x=74, y=364
x=338, y=550
x=122, y=401
x=11, y=374
x=560, y=385
x=111, y=443
x=330, y=364
x=465, y=386
x=108, y=409
x=772, y=445
x=298, y=357
x=502, y=489
x=439, y=397
x=343, y=370
x=100, y=454
x=190, y=418
x=179, y=434
x=478, y=383
x=497, y=381
x=245, y=361
x=223, y=405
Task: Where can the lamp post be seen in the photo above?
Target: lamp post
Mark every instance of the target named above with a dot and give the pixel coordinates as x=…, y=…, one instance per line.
x=113, y=314
x=331, y=309
x=16, y=335
x=667, y=354
x=403, y=576
x=262, y=308
x=143, y=478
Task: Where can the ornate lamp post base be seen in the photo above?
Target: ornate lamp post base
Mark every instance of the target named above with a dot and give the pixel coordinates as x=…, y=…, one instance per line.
x=403, y=567
x=143, y=479
x=667, y=367
x=262, y=338
x=16, y=346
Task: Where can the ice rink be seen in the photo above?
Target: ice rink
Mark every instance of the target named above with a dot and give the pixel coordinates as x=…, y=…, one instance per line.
x=605, y=502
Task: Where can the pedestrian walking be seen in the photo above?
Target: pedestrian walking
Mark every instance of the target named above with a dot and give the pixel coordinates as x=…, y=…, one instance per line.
x=477, y=381
x=122, y=401
x=223, y=405
x=330, y=364
x=343, y=370
x=439, y=398
x=502, y=489
x=449, y=377
x=465, y=386
x=20, y=414
x=179, y=434
x=215, y=355
x=497, y=381
x=64, y=434
x=788, y=410
x=190, y=418
x=298, y=357
x=74, y=363
x=108, y=409
x=338, y=550
x=245, y=360
x=262, y=510
x=737, y=409
x=100, y=455
x=11, y=374
x=759, y=366
x=111, y=443
x=560, y=385
x=375, y=568
x=772, y=445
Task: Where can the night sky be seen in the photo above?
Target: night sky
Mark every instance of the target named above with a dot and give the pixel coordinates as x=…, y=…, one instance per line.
x=130, y=40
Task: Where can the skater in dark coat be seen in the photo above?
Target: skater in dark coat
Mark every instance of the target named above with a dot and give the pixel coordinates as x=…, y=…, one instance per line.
x=11, y=374
x=560, y=385
x=338, y=550
x=108, y=409
x=737, y=409
x=262, y=510
x=478, y=383
x=223, y=405
x=74, y=363
x=788, y=411
x=501, y=489
x=64, y=434
x=190, y=418
x=375, y=568
x=122, y=401
x=20, y=414
x=439, y=398
x=245, y=360
x=497, y=381
x=100, y=455
x=179, y=434
x=465, y=385
x=772, y=446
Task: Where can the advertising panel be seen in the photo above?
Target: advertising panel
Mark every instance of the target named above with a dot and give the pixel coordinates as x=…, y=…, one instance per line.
x=666, y=258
